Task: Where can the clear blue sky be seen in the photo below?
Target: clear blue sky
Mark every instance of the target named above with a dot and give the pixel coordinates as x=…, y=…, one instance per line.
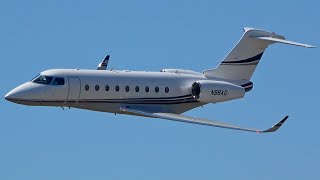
x=47, y=143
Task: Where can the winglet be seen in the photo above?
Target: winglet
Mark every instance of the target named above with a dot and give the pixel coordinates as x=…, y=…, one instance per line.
x=275, y=127
x=103, y=65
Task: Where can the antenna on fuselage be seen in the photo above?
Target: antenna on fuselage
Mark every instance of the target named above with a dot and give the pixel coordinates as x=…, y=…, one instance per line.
x=103, y=65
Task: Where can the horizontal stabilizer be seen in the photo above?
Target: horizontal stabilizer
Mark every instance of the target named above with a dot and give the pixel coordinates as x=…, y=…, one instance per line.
x=186, y=119
x=272, y=39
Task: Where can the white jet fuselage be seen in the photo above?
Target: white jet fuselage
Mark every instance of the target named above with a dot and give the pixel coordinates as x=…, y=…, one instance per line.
x=108, y=90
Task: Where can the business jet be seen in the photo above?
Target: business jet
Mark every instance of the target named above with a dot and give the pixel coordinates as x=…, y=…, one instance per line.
x=165, y=94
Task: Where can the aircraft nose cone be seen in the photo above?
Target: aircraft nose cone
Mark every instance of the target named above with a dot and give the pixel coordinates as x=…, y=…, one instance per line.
x=9, y=96
x=19, y=94
x=13, y=95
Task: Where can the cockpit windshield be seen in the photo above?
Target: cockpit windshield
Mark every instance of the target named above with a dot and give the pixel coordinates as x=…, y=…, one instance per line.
x=41, y=79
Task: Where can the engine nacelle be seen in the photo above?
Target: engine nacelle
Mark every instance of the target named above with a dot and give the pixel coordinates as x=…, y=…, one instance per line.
x=208, y=91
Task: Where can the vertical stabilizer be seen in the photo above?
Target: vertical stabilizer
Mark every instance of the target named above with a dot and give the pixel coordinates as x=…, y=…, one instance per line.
x=243, y=59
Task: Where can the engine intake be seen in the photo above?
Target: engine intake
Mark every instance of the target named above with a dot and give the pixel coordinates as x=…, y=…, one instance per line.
x=195, y=90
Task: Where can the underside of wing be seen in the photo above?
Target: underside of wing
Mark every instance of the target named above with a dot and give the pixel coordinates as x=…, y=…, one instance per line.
x=186, y=119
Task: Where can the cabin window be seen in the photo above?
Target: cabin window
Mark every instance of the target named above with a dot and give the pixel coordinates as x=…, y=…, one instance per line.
x=166, y=89
x=58, y=81
x=86, y=87
x=156, y=89
x=137, y=88
x=97, y=87
x=117, y=88
x=127, y=88
x=147, y=89
x=106, y=88
x=43, y=79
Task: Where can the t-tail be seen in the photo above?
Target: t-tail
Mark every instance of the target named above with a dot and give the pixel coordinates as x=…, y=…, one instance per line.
x=240, y=63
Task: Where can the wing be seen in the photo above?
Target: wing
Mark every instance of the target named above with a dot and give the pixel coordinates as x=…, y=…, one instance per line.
x=186, y=119
x=103, y=65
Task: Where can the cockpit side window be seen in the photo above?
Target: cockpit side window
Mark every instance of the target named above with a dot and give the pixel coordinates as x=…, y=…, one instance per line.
x=43, y=79
x=58, y=81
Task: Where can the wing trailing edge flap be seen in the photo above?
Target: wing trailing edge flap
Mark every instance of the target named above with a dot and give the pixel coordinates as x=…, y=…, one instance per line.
x=186, y=119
